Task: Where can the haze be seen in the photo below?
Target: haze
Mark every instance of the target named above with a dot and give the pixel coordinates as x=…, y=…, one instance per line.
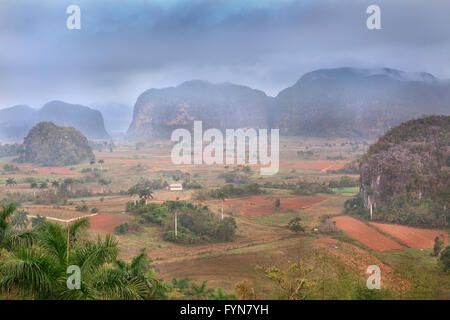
x=126, y=47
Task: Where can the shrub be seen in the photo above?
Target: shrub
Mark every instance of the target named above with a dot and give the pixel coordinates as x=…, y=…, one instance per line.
x=122, y=228
x=445, y=258
x=82, y=208
x=328, y=226
x=295, y=225
x=277, y=203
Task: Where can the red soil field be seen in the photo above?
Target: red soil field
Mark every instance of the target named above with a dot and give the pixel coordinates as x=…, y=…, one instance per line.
x=365, y=234
x=47, y=170
x=108, y=159
x=262, y=205
x=107, y=222
x=412, y=237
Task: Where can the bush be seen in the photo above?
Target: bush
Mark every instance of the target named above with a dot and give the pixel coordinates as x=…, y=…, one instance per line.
x=328, y=226
x=445, y=258
x=82, y=208
x=195, y=223
x=356, y=206
x=122, y=228
x=192, y=185
x=344, y=182
x=277, y=203
x=295, y=225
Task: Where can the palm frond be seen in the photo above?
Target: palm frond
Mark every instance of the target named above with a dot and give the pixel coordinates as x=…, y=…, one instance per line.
x=30, y=271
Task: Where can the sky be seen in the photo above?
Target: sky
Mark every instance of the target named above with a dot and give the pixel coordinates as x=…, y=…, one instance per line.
x=127, y=46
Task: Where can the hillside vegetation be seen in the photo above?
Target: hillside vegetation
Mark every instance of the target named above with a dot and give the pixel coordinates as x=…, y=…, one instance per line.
x=50, y=145
x=406, y=175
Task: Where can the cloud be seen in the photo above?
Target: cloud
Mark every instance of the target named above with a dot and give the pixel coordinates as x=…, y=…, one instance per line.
x=127, y=46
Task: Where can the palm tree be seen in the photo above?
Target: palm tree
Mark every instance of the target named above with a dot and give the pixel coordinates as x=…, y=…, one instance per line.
x=10, y=236
x=20, y=219
x=92, y=161
x=37, y=220
x=40, y=271
x=132, y=192
x=140, y=270
x=101, y=162
x=55, y=184
x=69, y=182
x=222, y=196
x=146, y=194
x=43, y=185
x=10, y=182
x=104, y=183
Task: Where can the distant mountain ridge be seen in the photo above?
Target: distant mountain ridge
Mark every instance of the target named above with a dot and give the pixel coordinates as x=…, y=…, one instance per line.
x=340, y=102
x=358, y=102
x=158, y=112
x=16, y=121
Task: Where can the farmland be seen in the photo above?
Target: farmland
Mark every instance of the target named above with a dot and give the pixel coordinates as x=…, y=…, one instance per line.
x=263, y=236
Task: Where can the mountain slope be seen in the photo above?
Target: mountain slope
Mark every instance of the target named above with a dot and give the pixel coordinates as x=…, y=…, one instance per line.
x=405, y=175
x=343, y=102
x=50, y=145
x=15, y=122
x=88, y=121
x=158, y=112
x=358, y=102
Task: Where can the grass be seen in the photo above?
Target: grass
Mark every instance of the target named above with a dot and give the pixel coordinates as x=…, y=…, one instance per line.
x=352, y=190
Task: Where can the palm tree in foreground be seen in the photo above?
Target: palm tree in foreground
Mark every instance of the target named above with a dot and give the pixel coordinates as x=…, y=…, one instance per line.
x=40, y=270
x=11, y=235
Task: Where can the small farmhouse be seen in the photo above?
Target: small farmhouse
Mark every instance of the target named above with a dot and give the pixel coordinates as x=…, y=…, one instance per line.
x=175, y=187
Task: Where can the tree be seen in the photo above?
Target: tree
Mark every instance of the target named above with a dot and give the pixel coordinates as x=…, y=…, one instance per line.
x=55, y=184
x=146, y=194
x=220, y=194
x=10, y=182
x=295, y=225
x=294, y=282
x=445, y=258
x=40, y=271
x=20, y=219
x=69, y=182
x=133, y=191
x=277, y=203
x=104, y=183
x=141, y=271
x=37, y=220
x=43, y=185
x=101, y=162
x=438, y=243
x=10, y=235
x=244, y=290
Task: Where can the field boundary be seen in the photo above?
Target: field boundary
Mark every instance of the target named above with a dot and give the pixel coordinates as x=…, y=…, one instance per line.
x=62, y=220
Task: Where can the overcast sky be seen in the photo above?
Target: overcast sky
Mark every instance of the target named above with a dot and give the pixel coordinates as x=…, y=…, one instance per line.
x=127, y=46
